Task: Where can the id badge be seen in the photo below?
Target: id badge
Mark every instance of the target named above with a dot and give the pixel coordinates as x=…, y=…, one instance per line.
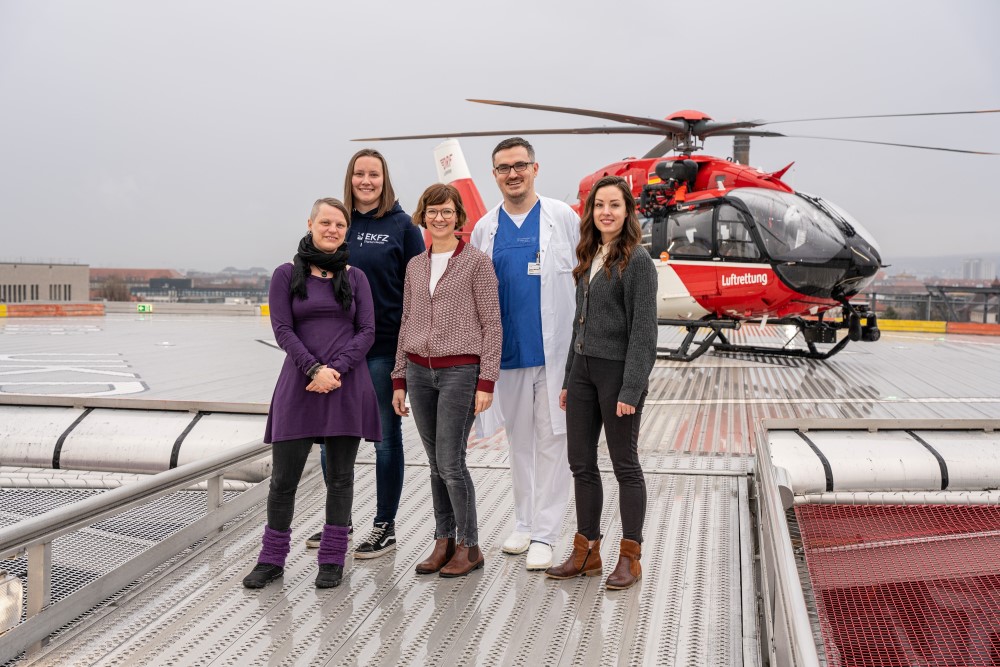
x=534, y=268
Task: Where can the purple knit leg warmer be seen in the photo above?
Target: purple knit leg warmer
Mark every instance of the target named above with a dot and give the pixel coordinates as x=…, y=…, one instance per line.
x=333, y=545
x=275, y=547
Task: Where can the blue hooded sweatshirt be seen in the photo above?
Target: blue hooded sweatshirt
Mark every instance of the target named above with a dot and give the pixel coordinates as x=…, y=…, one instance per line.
x=381, y=247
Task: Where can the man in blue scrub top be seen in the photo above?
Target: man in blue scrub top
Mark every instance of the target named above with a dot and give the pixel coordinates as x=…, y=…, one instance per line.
x=532, y=241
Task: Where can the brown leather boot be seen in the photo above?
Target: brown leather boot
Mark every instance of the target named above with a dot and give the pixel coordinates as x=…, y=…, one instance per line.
x=444, y=549
x=584, y=561
x=627, y=571
x=465, y=560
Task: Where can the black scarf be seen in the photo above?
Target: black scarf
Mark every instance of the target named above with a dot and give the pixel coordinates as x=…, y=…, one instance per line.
x=335, y=262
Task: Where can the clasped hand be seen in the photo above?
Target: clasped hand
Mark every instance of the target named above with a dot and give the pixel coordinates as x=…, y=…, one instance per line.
x=326, y=380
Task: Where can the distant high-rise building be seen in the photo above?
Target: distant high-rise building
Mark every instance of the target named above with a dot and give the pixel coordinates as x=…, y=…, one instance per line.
x=977, y=268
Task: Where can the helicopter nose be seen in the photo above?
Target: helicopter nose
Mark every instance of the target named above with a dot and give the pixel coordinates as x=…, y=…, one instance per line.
x=865, y=263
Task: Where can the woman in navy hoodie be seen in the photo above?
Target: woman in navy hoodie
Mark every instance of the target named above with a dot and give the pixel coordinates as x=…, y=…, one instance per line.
x=382, y=241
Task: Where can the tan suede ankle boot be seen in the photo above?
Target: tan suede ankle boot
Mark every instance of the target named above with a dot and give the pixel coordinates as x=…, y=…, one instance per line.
x=585, y=560
x=627, y=571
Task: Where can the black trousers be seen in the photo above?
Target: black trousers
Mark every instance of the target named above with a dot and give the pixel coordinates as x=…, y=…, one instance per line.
x=592, y=402
x=288, y=459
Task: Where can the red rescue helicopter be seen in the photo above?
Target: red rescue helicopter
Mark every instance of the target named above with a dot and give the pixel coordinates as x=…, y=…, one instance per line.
x=732, y=244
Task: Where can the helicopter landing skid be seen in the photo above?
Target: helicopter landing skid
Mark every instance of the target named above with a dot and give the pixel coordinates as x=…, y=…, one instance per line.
x=811, y=351
x=813, y=332
x=683, y=351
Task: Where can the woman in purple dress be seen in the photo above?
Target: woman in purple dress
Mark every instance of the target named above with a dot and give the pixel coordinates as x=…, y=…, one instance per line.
x=324, y=320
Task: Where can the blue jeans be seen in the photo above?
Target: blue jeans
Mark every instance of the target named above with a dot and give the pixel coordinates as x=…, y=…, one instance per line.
x=388, y=453
x=443, y=402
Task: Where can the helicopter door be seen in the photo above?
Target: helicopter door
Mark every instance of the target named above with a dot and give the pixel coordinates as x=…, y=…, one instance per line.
x=689, y=244
x=743, y=276
x=735, y=241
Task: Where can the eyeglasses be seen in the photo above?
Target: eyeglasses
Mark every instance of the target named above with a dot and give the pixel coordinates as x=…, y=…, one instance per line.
x=504, y=169
x=445, y=213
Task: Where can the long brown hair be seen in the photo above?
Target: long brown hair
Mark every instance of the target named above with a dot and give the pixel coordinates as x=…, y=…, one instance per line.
x=388, y=198
x=619, y=251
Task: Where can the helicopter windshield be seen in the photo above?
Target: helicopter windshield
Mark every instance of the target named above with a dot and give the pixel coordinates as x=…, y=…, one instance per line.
x=853, y=222
x=792, y=227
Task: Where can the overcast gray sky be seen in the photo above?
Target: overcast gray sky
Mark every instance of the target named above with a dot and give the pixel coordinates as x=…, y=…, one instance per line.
x=192, y=134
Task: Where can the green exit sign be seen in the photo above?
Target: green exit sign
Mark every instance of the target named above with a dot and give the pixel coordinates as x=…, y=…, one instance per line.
x=143, y=307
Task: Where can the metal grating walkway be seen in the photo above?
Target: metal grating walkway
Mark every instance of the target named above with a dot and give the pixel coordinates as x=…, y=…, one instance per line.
x=84, y=555
x=914, y=585
x=688, y=608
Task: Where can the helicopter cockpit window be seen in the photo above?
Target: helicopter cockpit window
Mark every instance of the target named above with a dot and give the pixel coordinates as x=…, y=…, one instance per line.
x=689, y=233
x=792, y=227
x=853, y=222
x=646, y=226
x=735, y=240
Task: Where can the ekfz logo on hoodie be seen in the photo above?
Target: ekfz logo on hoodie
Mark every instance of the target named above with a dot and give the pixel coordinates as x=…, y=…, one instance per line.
x=381, y=239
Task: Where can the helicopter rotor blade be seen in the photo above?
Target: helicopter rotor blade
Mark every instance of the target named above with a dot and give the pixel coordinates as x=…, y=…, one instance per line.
x=745, y=133
x=514, y=133
x=666, y=126
x=887, y=115
x=888, y=143
x=713, y=128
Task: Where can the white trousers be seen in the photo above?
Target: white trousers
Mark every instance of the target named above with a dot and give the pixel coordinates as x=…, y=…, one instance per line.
x=538, y=465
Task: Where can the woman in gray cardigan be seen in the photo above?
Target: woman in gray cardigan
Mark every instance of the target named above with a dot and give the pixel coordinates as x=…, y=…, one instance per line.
x=607, y=373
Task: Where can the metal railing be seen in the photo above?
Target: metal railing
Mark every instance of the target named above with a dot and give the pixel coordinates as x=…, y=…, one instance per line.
x=33, y=537
x=157, y=404
x=788, y=636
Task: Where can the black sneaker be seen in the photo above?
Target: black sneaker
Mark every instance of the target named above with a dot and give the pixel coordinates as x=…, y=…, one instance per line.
x=312, y=542
x=262, y=575
x=380, y=541
x=329, y=576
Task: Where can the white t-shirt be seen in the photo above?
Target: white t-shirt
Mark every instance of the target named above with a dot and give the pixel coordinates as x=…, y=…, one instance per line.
x=439, y=262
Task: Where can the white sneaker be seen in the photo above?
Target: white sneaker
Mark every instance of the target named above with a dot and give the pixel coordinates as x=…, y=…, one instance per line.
x=539, y=556
x=517, y=543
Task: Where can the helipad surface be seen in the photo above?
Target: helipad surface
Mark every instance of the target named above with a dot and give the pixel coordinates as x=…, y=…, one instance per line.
x=695, y=604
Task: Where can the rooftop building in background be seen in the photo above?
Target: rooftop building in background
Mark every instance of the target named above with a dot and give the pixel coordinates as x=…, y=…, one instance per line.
x=117, y=284
x=42, y=282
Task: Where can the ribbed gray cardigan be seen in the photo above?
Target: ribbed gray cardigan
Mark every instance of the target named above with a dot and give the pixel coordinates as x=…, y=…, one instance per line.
x=616, y=319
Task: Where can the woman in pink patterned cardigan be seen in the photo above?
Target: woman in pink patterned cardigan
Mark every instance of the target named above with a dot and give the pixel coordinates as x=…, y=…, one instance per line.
x=448, y=358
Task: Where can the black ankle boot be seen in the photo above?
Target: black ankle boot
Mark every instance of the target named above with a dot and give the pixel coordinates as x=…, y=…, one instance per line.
x=330, y=575
x=262, y=575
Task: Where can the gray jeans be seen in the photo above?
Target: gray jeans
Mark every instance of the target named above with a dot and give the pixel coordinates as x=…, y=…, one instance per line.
x=443, y=402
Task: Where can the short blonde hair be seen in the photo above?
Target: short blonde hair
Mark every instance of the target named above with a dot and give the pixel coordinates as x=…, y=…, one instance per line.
x=330, y=201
